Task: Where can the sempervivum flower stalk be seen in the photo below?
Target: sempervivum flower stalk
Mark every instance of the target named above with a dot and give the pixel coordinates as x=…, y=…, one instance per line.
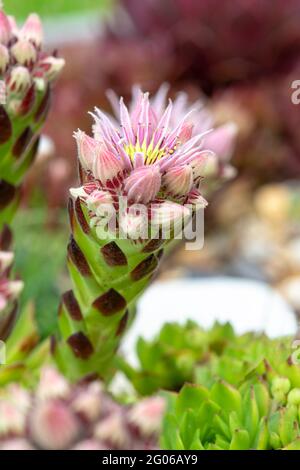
x=26, y=75
x=141, y=181
x=9, y=289
x=58, y=415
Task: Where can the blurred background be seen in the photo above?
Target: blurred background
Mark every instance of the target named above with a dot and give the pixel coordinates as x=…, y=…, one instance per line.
x=241, y=62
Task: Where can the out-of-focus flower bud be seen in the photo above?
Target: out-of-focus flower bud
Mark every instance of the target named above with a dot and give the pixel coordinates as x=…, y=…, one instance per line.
x=178, y=180
x=19, y=80
x=32, y=30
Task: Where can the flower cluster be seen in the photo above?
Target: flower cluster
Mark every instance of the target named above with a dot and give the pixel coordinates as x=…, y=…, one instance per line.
x=24, y=67
x=152, y=154
x=26, y=74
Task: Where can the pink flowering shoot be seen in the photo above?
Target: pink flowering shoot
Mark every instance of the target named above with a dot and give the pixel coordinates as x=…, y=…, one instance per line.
x=152, y=153
x=141, y=178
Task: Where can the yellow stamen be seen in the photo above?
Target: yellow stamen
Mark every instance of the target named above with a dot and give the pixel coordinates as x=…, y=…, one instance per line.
x=151, y=154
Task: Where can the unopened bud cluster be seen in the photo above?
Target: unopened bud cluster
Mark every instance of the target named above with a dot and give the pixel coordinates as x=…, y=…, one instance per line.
x=24, y=66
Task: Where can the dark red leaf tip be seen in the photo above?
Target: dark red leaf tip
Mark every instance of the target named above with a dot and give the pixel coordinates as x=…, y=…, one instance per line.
x=81, y=345
x=5, y=126
x=110, y=303
x=123, y=323
x=145, y=268
x=153, y=245
x=7, y=193
x=22, y=143
x=80, y=217
x=78, y=258
x=71, y=305
x=44, y=106
x=113, y=255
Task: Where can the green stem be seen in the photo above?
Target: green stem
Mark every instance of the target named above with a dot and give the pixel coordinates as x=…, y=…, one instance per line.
x=108, y=276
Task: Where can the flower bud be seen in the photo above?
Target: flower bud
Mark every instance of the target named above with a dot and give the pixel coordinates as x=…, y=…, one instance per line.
x=134, y=224
x=168, y=215
x=199, y=164
x=19, y=79
x=143, y=184
x=52, y=385
x=178, y=180
x=50, y=67
x=6, y=259
x=13, y=25
x=53, y=426
x=19, y=397
x=89, y=402
x=99, y=200
x=15, y=288
x=87, y=148
x=4, y=58
x=32, y=30
x=24, y=52
x=108, y=169
x=147, y=415
x=78, y=192
x=12, y=419
x=222, y=140
x=5, y=29
x=228, y=172
x=113, y=430
x=196, y=199
x=212, y=167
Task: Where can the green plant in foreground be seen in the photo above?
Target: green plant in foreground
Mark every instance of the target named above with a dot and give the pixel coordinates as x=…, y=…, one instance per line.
x=58, y=415
x=26, y=76
x=25, y=351
x=140, y=178
x=262, y=413
x=245, y=395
